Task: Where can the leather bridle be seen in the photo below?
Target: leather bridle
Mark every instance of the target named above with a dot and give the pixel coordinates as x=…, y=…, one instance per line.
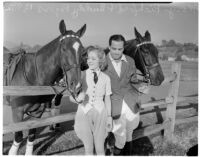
x=66, y=68
x=147, y=68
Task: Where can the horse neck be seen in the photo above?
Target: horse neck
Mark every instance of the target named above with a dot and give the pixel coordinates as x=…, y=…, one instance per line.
x=48, y=63
x=130, y=48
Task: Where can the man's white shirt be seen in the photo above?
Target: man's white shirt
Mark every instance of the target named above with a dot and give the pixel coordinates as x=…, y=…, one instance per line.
x=118, y=65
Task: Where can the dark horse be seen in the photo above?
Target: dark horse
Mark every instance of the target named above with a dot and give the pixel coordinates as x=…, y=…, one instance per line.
x=145, y=55
x=60, y=57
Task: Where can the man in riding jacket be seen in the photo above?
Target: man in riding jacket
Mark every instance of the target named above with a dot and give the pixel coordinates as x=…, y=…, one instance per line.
x=125, y=102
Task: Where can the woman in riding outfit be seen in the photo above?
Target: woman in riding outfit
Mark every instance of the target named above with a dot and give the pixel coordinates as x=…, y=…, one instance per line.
x=93, y=118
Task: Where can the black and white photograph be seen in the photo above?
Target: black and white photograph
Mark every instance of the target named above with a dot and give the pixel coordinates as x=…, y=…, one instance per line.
x=110, y=78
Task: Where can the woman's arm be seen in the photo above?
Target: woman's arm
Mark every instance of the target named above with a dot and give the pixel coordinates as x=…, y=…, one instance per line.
x=108, y=105
x=81, y=97
x=109, y=122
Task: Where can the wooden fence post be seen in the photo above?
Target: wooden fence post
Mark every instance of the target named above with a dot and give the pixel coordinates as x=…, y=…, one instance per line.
x=171, y=108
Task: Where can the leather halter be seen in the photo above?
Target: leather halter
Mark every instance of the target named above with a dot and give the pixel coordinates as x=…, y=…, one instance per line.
x=68, y=36
x=68, y=67
x=146, y=67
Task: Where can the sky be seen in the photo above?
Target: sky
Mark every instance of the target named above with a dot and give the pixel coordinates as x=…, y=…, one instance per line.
x=38, y=23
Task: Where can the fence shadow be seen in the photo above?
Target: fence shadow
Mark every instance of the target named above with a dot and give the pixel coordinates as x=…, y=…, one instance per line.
x=41, y=146
x=142, y=147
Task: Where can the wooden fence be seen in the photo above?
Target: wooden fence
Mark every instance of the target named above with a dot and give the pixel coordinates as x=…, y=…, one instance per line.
x=170, y=101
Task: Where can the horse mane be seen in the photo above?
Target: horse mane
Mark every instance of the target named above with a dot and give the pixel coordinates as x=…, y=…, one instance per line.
x=49, y=46
x=131, y=42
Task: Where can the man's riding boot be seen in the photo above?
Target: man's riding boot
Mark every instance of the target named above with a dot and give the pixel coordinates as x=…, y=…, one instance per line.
x=127, y=149
x=117, y=151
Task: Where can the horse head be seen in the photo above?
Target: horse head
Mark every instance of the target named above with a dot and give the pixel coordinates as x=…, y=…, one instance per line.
x=70, y=58
x=145, y=54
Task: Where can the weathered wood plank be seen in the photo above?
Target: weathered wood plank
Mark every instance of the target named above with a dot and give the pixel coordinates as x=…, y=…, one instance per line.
x=47, y=90
x=170, y=79
x=171, y=108
x=157, y=103
x=166, y=101
x=186, y=120
x=146, y=131
x=37, y=123
x=31, y=90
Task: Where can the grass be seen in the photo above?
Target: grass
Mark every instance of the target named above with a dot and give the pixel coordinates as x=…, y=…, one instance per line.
x=65, y=142
x=185, y=136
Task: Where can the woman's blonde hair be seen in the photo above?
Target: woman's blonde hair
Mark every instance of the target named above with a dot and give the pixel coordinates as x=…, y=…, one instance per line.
x=101, y=55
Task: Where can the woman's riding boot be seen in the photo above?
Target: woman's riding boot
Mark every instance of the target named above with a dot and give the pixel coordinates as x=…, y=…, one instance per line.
x=14, y=148
x=29, y=148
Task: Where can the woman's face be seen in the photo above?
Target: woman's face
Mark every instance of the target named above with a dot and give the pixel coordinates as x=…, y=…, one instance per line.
x=93, y=60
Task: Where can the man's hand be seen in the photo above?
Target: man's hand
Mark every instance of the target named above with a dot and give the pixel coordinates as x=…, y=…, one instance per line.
x=144, y=89
x=109, y=124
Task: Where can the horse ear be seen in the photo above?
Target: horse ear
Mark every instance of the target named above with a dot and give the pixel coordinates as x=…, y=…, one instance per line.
x=62, y=27
x=147, y=36
x=81, y=31
x=138, y=35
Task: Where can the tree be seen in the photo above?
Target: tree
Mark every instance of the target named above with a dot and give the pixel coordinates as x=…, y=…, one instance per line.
x=196, y=49
x=171, y=43
x=164, y=42
x=179, y=57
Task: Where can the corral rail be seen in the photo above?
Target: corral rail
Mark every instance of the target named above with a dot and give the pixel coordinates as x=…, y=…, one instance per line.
x=170, y=101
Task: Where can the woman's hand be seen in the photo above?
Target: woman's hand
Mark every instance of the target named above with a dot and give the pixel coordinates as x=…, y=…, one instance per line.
x=109, y=124
x=79, y=99
x=71, y=98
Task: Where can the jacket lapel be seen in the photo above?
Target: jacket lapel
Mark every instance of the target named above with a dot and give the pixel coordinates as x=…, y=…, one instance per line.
x=123, y=69
x=111, y=68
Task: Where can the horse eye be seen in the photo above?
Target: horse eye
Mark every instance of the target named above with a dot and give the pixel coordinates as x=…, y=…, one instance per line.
x=145, y=50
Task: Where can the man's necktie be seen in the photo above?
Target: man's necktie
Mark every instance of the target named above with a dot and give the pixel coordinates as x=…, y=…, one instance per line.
x=95, y=77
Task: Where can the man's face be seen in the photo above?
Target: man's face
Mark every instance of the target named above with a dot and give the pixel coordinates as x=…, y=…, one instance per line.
x=116, y=49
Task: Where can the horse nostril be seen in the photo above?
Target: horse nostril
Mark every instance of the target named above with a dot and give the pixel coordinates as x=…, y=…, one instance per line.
x=72, y=83
x=78, y=85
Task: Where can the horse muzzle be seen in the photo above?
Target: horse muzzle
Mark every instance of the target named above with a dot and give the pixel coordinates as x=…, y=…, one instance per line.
x=156, y=76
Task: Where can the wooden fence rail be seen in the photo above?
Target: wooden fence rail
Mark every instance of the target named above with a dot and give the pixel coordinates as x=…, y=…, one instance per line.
x=47, y=90
x=32, y=90
x=30, y=124
x=168, y=124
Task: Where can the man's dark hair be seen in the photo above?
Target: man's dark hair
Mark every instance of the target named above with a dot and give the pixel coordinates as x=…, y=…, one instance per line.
x=116, y=37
